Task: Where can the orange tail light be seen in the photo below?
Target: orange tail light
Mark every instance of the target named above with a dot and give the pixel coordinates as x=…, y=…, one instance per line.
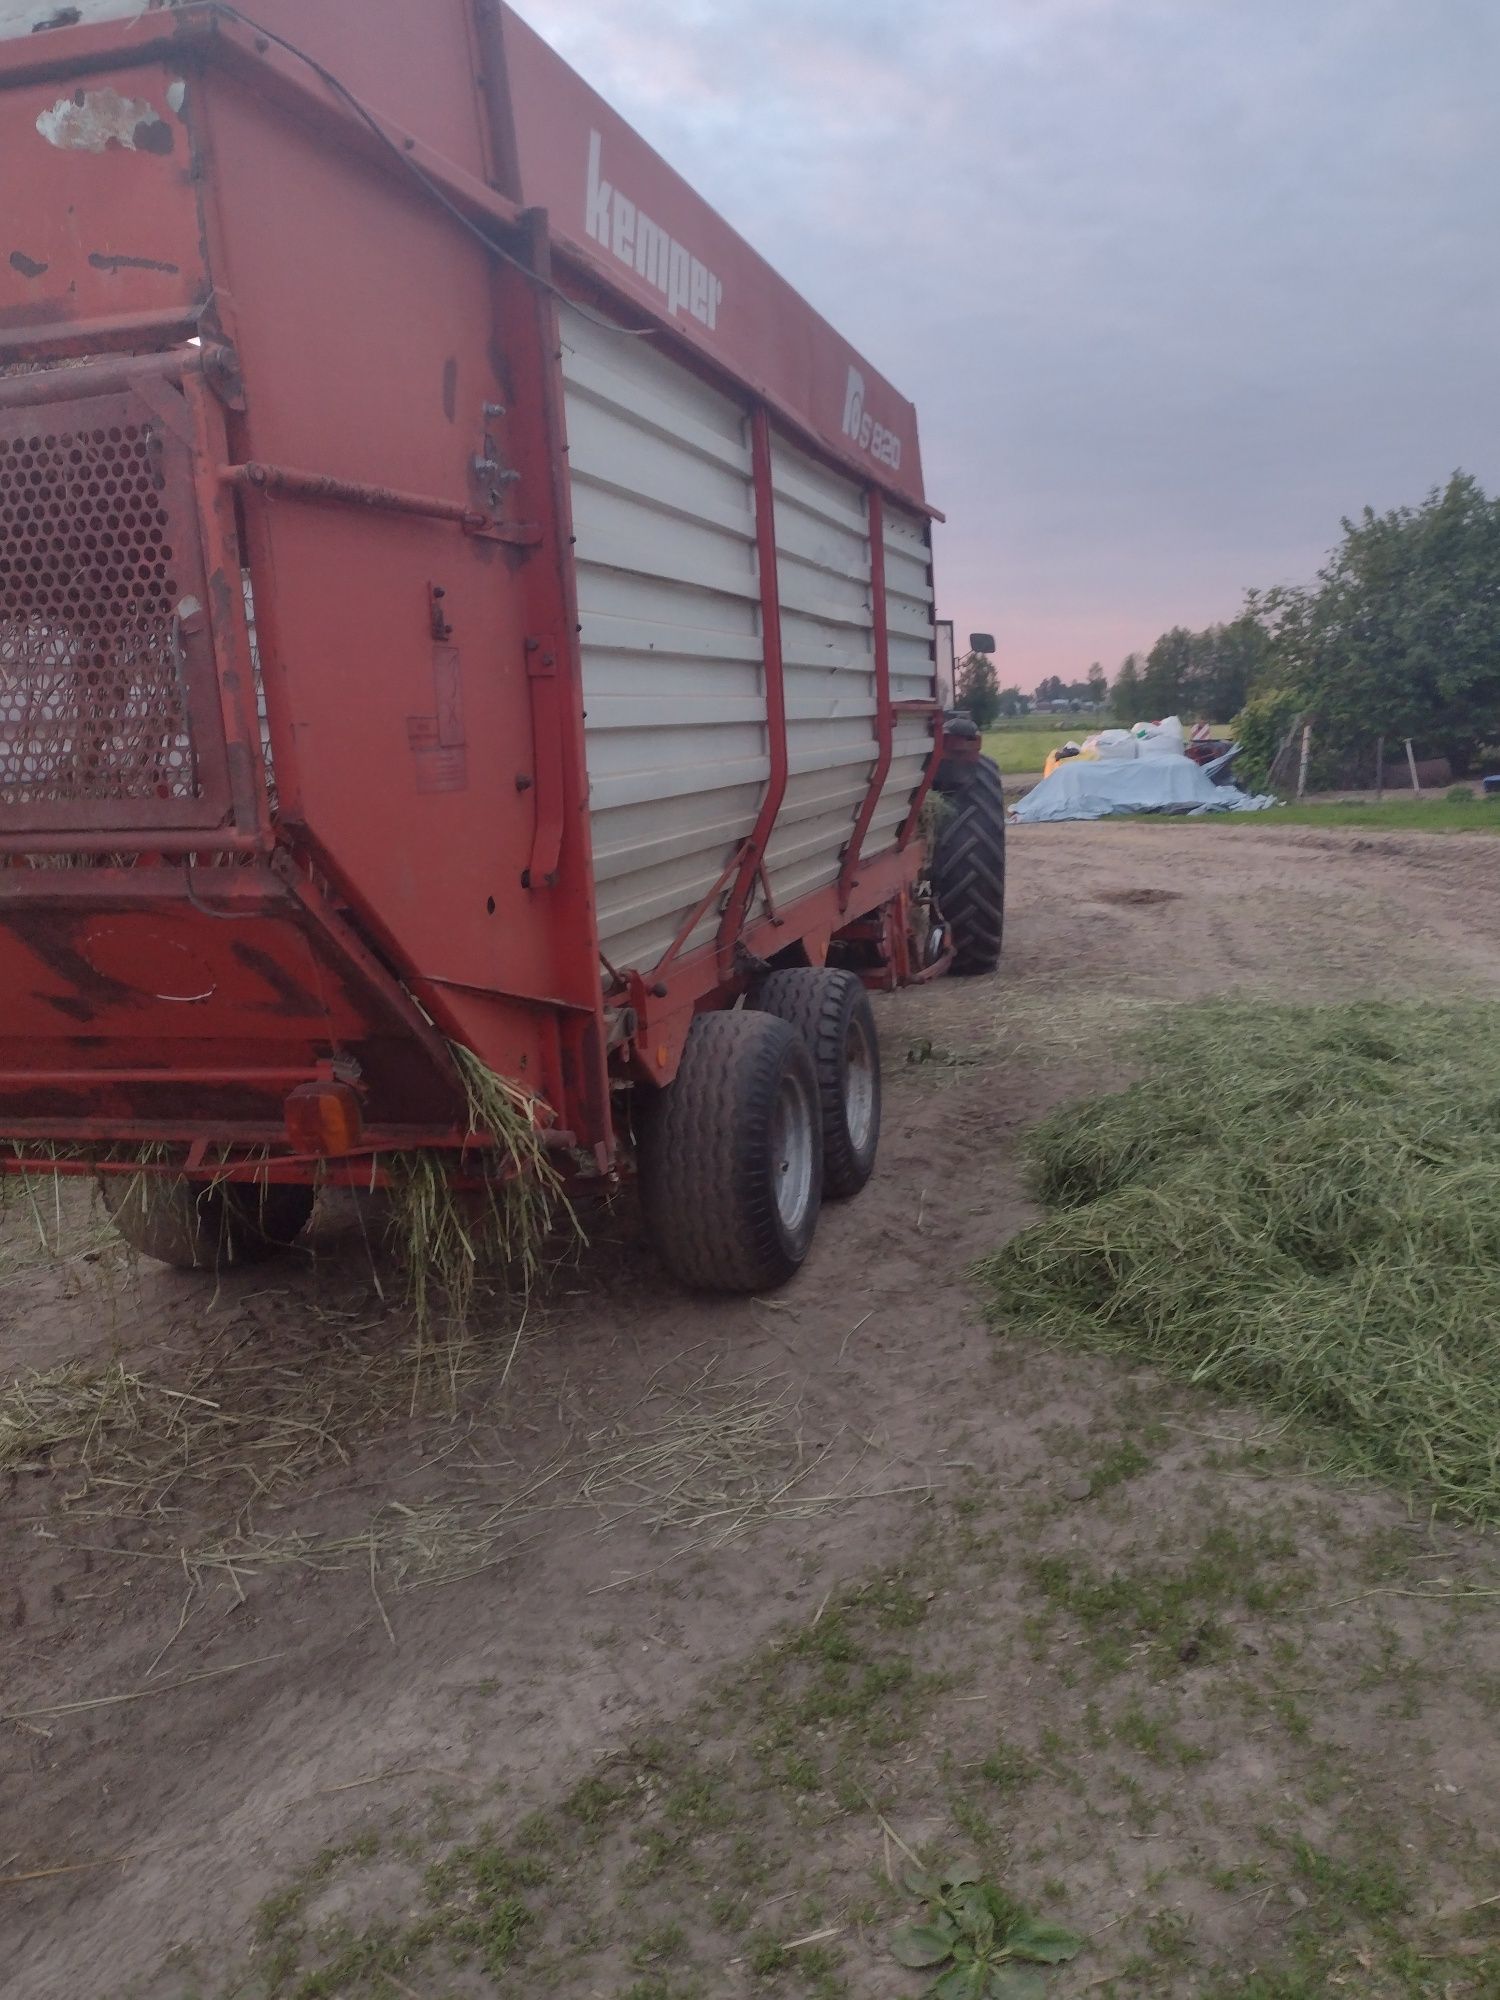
x=324, y=1118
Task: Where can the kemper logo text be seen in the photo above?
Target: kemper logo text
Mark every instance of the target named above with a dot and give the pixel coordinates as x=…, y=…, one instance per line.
x=862, y=427
x=628, y=233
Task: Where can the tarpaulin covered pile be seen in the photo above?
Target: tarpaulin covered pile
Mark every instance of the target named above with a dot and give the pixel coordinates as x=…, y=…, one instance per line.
x=1085, y=788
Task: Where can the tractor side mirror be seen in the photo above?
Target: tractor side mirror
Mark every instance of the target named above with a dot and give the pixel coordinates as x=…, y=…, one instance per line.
x=981, y=642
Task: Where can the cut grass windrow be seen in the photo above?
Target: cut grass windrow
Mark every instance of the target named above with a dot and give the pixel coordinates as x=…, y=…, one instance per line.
x=1299, y=1205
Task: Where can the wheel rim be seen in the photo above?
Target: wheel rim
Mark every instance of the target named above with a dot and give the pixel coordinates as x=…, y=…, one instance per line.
x=859, y=1085
x=792, y=1152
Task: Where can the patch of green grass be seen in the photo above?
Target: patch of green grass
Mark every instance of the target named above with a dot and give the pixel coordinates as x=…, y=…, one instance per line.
x=1007, y=1768
x=1353, y=1936
x=1408, y=814
x=700, y=1797
x=1368, y=1888
x=1173, y=1610
x=1154, y=1737
x=484, y=1871
x=1021, y=742
x=1301, y=1206
x=1170, y=1936
x=592, y=1801
x=896, y=1605
x=281, y=1914
x=1120, y=1462
x=764, y=1954
x=835, y=1681
x=477, y=1893
x=662, y=1941
x=801, y=1772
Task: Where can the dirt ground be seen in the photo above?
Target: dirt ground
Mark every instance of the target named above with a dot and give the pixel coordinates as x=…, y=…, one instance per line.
x=626, y=1651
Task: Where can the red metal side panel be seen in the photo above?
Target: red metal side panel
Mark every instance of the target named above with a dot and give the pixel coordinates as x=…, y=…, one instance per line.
x=413, y=61
x=366, y=329
x=621, y=210
x=163, y=994
x=116, y=236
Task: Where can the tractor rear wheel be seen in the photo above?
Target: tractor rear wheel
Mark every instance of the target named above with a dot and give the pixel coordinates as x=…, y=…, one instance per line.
x=731, y=1155
x=201, y=1226
x=968, y=861
x=832, y=1013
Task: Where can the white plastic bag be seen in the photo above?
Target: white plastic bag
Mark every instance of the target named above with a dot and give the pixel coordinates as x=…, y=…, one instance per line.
x=1165, y=738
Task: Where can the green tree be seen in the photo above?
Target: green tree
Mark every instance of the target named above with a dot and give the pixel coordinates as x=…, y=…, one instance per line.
x=1224, y=664
x=1098, y=686
x=1167, y=671
x=1400, y=635
x=1207, y=676
x=1265, y=726
x=1053, y=688
x=977, y=688
x=1013, y=702
x=1125, y=696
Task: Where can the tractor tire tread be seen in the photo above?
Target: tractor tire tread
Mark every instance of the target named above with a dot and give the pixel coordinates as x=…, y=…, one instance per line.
x=968, y=863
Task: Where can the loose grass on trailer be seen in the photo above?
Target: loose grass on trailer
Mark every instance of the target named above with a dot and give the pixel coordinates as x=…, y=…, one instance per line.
x=1301, y=1205
x=445, y=1236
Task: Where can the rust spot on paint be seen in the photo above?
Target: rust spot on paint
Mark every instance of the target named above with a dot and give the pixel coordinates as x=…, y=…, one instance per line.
x=450, y=388
x=27, y=266
x=105, y=262
x=95, y=121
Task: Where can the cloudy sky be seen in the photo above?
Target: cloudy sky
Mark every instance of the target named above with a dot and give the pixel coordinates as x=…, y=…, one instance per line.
x=1174, y=284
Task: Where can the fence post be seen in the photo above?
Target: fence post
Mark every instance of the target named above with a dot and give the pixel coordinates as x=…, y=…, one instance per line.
x=1379, y=769
x=1411, y=765
x=1302, y=764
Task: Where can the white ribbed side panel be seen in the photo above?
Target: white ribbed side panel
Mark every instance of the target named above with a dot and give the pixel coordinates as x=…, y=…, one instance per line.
x=828, y=658
x=911, y=636
x=669, y=603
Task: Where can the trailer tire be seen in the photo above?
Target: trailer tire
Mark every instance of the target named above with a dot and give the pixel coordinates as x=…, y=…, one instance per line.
x=731, y=1155
x=968, y=861
x=201, y=1227
x=832, y=1013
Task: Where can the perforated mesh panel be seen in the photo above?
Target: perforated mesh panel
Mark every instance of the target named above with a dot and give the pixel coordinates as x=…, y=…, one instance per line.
x=93, y=693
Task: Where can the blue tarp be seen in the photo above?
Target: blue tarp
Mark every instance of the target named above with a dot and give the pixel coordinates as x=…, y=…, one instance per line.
x=1082, y=788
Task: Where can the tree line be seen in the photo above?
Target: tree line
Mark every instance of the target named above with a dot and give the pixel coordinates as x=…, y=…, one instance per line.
x=1207, y=676
x=1397, y=637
